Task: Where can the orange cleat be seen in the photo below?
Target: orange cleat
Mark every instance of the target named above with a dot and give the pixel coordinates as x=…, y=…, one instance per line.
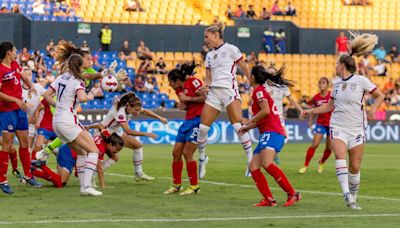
x=292, y=200
x=266, y=203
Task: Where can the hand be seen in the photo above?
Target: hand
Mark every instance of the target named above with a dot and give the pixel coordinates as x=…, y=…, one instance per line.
x=21, y=104
x=243, y=130
x=305, y=113
x=371, y=113
x=87, y=128
x=245, y=121
x=112, y=67
x=181, y=106
x=184, y=98
x=90, y=96
x=204, y=90
x=163, y=120
x=152, y=135
x=104, y=73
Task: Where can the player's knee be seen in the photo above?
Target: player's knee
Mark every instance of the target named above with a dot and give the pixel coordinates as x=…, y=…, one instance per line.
x=254, y=165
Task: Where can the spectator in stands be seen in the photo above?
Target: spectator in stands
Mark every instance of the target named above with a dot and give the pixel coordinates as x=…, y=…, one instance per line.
x=105, y=36
x=125, y=52
x=290, y=10
x=24, y=56
x=364, y=65
x=97, y=91
x=251, y=13
x=394, y=54
x=265, y=15
x=240, y=12
x=15, y=9
x=275, y=10
x=75, y=4
x=342, y=45
x=37, y=58
x=268, y=40
x=149, y=85
x=144, y=52
x=199, y=22
x=389, y=85
x=139, y=84
x=85, y=46
x=245, y=87
x=3, y=9
x=229, y=13
x=216, y=20
x=280, y=38
x=252, y=59
x=380, y=68
x=133, y=5
x=64, y=7
x=50, y=48
x=38, y=7
x=145, y=67
x=380, y=53
x=161, y=67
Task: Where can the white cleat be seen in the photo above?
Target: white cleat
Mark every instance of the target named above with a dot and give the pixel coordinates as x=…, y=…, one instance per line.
x=90, y=191
x=202, y=167
x=144, y=177
x=42, y=155
x=247, y=173
x=351, y=201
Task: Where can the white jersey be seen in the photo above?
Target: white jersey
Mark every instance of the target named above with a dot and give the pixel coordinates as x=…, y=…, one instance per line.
x=348, y=96
x=277, y=94
x=222, y=62
x=34, y=101
x=66, y=87
x=113, y=118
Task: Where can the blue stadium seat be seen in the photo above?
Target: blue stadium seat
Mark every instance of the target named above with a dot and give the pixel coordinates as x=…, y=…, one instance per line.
x=103, y=62
x=121, y=63
x=153, y=97
x=170, y=104
x=114, y=55
x=162, y=96
x=46, y=18
x=31, y=52
x=130, y=71
x=104, y=55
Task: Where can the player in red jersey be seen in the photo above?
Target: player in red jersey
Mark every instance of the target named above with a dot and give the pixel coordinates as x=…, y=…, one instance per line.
x=14, y=120
x=321, y=128
x=189, y=91
x=272, y=137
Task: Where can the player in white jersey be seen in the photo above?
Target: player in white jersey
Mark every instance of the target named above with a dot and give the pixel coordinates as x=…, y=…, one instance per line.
x=69, y=89
x=116, y=121
x=222, y=88
x=348, y=120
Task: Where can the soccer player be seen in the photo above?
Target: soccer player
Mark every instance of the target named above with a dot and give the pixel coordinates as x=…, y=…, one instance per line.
x=14, y=120
x=272, y=137
x=321, y=128
x=348, y=120
x=116, y=120
x=222, y=88
x=192, y=97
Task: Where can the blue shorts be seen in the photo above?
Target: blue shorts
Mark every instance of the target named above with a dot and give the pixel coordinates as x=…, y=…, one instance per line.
x=49, y=135
x=320, y=129
x=270, y=140
x=16, y=120
x=65, y=159
x=188, y=131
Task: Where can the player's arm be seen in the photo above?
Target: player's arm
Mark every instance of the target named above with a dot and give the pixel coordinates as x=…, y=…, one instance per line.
x=242, y=64
x=264, y=111
x=36, y=114
x=328, y=107
x=294, y=103
x=100, y=174
x=131, y=132
x=310, y=120
x=379, y=98
x=83, y=97
x=28, y=82
x=153, y=115
x=207, y=79
x=48, y=95
x=98, y=125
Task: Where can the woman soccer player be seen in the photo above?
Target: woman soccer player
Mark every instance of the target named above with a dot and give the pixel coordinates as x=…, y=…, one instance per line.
x=272, y=137
x=117, y=119
x=321, y=128
x=348, y=120
x=189, y=92
x=14, y=120
x=222, y=87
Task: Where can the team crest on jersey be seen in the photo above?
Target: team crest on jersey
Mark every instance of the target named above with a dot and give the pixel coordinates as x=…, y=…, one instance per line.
x=344, y=86
x=10, y=127
x=259, y=95
x=215, y=56
x=196, y=83
x=353, y=86
x=223, y=54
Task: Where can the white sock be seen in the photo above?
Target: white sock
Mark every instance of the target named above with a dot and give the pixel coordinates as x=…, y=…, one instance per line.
x=203, y=134
x=342, y=173
x=90, y=168
x=246, y=142
x=138, y=161
x=80, y=168
x=354, y=183
x=108, y=163
x=202, y=151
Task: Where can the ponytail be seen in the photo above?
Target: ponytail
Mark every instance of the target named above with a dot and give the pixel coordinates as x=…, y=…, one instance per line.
x=181, y=74
x=217, y=28
x=127, y=99
x=276, y=79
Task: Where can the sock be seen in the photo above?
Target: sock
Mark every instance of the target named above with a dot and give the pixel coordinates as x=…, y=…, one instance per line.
x=177, y=172
x=4, y=156
x=342, y=173
x=40, y=173
x=280, y=178
x=192, y=172
x=53, y=145
x=325, y=156
x=25, y=159
x=14, y=159
x=80, y=168
x=309, y=155
x=203, y=134
x=138, y=161
x=108, y=163
x=246, y=142
x=202, y=151
x=90, y=168
x=262, y=184
x=52, y=176
x=354, y=183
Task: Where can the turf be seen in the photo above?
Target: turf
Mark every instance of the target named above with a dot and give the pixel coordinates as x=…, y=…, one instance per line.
x=227, y=195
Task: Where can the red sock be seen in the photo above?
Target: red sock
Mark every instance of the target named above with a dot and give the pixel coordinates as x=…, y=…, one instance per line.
x=325, y=156
x=33, y=154
x=40, y=173
x=280, y=178
x=53, y=177
x=309, y=155
x=262, y=184
x=25, y=158
x=177, y=172
x=192, y=172
x=14, y=160
x=4, y=156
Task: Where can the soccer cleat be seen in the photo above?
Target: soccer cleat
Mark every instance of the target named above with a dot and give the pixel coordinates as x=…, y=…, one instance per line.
x=320, y=167
x=174, y=189
x=37, y=163
x=17, y=174
x=90, y=191
x=351, y=201
x=6, y=188
x=266, y=203
x=292, y=200
x=303, y=169
x=247, y=173
x=144, y=177
x=202, y=167
x=31, y=181
x=42, y=155
x=277, y=160
x=190, y=191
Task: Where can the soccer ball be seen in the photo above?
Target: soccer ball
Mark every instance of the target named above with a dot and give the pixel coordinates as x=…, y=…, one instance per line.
x=109, y=83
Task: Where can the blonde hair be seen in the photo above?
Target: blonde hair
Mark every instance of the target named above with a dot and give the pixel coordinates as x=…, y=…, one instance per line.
x=362, y=44
x=217, y=28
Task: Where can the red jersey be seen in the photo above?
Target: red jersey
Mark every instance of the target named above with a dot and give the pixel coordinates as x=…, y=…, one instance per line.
x=47, y=120
x=342, y=44
x=101, y=145
x=272, y=122
x=190, y=88
x=10, y=84
x=318, y=100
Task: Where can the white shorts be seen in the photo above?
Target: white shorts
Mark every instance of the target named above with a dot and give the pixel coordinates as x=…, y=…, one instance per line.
x=32, y=130
x=282, y=119
x=351, y=138
x=67, y=132
x=220, y=98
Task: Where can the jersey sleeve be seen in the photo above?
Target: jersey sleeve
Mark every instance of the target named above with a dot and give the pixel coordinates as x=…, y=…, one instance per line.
x=196, y=84
x=260, y=95
x=367, y=85
x=286, y=91
x=207, y=61
x=44, y=102
x=235, y=54
x=54, y=85
x=79, y=85
x=121, y=115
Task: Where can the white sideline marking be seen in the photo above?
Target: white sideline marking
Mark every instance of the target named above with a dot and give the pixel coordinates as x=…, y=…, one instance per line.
x=252, y=186
x=198, y=219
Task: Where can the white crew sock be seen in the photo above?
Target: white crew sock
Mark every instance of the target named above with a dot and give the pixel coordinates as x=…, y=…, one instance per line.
x=202, y=151
x=342, y=173
x=108, y=163
x=138, y=161
x=246, y=142
x=354, y=183
x=80, y=168
x=203, y=134
x=90, y=168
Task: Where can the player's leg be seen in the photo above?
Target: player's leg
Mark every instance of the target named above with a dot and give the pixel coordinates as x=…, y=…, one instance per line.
x=177, y=166
x=64, y=174
x=311, y=151
x=191, y=167
x=14, y=163
x=355, y=158
x=44, y=154
x=327, y=153
x=7, y=142
x=40, y=140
